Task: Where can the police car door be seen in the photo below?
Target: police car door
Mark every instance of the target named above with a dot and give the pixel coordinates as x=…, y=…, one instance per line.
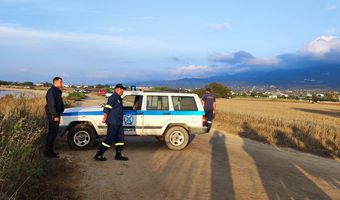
x=133, y=118
x=156, y=114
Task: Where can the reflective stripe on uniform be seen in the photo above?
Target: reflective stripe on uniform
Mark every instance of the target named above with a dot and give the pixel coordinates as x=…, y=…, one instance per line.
x=119, y=144
x=209, y=122
x=105, y=145
x=108, y=106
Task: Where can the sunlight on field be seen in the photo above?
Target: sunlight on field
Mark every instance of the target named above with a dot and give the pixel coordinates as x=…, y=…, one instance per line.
x=313, y=128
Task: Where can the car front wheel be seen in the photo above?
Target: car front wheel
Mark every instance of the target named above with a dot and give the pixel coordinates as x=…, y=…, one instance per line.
x=81, y=137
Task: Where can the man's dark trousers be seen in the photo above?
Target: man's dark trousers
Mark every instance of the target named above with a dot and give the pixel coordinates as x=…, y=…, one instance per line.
x=53, y=128
x=209, y=116
x=115, y=134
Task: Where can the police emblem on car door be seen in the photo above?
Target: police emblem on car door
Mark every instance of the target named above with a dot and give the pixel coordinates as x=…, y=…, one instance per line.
x=128, y=120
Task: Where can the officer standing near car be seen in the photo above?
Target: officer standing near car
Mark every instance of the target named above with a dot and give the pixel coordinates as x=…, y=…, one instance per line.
x=209, y=104
x=54, y=109
x=113, y=117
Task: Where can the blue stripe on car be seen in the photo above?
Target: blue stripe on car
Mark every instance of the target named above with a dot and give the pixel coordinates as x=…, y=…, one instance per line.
x=149, y=112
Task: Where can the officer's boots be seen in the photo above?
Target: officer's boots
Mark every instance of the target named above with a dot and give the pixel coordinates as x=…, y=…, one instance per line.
x=119, y=156
x=99, y=156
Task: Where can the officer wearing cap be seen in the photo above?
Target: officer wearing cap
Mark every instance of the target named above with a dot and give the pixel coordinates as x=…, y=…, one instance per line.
x=113, y=117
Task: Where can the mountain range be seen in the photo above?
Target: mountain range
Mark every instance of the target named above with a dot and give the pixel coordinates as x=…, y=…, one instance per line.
x=321, y=77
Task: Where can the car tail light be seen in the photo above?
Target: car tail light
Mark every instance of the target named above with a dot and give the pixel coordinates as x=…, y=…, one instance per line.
x=204, y=121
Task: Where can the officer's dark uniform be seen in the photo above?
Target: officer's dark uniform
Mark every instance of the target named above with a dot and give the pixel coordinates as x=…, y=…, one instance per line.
x=209, y=100
x=54, y=108
x=115, y=132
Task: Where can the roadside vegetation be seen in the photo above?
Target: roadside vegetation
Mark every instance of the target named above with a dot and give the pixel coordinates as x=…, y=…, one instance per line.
x=313, y=128
x=23, y=167
x=76, y=96
x=218, y=89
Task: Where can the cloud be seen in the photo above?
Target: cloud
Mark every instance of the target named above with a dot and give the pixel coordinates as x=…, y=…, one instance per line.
x=101, y=74
x=30, y=34
x=332, y=7
x=232, y=58
x=194, y=70
x=143, y=18
x=176, y=59
x=243, y=58
x=322, y=45
x=24, y=70
x=116, y=29
x=15, y=1
x=322, y=51
x=220, y=26
x=16, y=35
x=264, y=61
x=83, y=56
x=331, y=31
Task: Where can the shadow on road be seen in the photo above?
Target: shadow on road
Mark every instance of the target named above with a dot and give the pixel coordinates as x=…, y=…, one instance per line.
x=221, y=180
x=281, y=177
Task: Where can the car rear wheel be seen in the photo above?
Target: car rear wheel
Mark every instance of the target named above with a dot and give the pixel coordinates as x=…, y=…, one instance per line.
x=176, y=138
x=81, y=137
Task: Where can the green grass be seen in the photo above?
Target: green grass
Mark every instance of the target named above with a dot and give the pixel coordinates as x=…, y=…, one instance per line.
x=76, y=96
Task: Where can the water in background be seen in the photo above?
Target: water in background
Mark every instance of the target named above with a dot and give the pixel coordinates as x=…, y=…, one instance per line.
x=5, y=92
x=16, y=93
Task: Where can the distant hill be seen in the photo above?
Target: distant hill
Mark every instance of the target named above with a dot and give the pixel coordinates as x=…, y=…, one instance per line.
x=313, y=77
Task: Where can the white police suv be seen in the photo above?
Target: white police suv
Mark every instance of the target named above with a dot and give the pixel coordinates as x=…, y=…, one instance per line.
x=171, y=117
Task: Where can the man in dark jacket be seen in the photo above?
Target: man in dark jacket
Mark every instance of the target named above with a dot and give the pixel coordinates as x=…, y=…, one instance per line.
x=113, y=117
x=54, y=109
x=209, y=104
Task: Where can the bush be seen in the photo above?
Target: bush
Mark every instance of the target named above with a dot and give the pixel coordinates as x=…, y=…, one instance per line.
x=77, y=96
x=219, y=90
x=22, y=125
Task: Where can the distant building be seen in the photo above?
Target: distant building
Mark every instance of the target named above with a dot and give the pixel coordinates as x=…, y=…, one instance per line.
x=144, y=88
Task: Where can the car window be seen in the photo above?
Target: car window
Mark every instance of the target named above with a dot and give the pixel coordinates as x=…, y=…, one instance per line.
x=184, y=103
x=157, y=103
x=132, y=102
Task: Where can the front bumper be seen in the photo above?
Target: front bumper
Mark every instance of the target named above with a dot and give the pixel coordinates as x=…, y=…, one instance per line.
x=198, y=130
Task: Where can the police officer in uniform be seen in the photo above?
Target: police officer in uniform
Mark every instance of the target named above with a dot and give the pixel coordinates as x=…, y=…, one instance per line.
x=209, y=104
x=113, y=117
x=54, y=109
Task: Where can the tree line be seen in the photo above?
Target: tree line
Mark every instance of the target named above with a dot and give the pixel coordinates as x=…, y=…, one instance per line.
x=26, y=83
x=218, y=89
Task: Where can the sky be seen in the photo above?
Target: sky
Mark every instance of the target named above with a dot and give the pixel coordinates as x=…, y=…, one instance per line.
x=92, y=42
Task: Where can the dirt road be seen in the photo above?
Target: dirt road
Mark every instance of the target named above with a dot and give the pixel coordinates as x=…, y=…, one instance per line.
x=214, y=166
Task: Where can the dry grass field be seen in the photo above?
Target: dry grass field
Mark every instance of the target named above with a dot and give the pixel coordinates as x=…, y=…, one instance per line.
x=313, y=128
